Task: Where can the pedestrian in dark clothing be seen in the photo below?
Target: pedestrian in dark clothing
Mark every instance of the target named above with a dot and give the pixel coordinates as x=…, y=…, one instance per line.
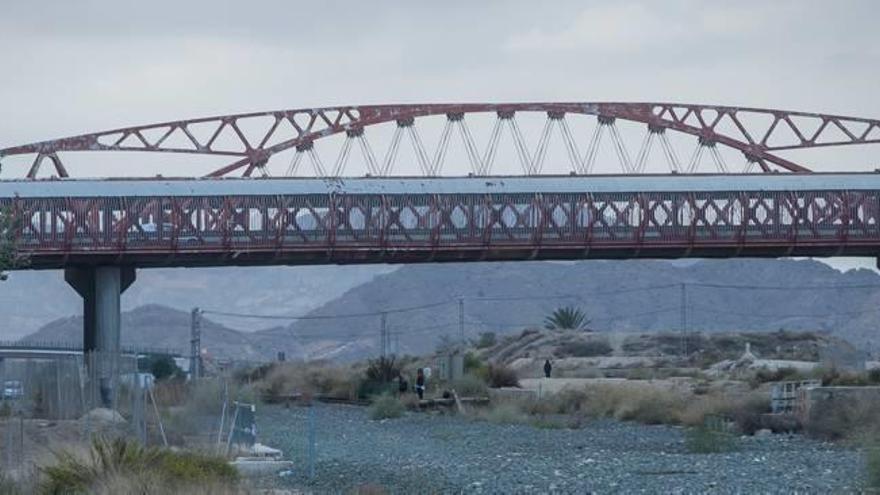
x=402, y=384
x=420, y=383
x=547, y=368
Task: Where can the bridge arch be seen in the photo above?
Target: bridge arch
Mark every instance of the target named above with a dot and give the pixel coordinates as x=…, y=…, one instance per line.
x=299, y=129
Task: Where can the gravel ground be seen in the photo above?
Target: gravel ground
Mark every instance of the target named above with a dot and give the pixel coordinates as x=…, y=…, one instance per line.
x=427, y=453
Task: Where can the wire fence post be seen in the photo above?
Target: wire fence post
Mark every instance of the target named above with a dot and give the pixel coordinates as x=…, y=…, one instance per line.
x=311, y=448
x=461, y=321
x=684, y=323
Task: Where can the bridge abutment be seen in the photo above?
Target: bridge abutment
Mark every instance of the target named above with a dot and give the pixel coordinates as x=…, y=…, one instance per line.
x=100, y=288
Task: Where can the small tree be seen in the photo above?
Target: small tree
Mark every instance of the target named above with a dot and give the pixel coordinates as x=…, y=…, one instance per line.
x=378, y=376
x=487, y=339
x=161, y=366
x=566, y=318
x=9, y=257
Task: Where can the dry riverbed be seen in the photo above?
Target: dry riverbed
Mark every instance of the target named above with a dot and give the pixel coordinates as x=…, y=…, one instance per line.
x=426, y=453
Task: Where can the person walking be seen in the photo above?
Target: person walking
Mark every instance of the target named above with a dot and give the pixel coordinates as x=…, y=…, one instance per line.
x=547, y=368
x=420, y=383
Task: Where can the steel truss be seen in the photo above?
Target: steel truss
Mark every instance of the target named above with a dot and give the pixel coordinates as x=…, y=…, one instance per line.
x=757, y=133
x=379, y=228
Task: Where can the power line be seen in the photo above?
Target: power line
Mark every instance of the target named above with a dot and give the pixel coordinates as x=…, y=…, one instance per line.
x=328, y=317
x=781, y=287
x=580, y=295
x=605, y=318
x=789, y=315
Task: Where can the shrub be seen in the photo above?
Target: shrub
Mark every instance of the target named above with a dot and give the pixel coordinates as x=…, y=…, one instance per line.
x=748, y=412
x=161, y=366
x=745, y=411
x=499, y=375
x=836, y=378
x=705, y=440
x=486, y=339
x=308, y=379
x=470, y=386
x=386, y=406
x=590, y=348
x=651, y=407
x=474, y=365
x=378, y=377
x=764, y=375
x=109, y=460
x=872, y=463
x=506, y=413
x=855, y=419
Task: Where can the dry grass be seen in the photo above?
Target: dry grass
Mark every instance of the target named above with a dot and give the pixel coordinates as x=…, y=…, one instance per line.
x=123, y=467
x=629, y=402
x=286, y=379
x=386, y=406
x=470, y=385
x=855, y=420
x=499, y=375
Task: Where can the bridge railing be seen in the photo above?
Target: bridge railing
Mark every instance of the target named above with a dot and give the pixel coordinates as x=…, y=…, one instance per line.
x=372, y=221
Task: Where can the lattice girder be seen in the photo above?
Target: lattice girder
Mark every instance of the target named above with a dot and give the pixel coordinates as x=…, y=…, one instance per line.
x=298, y=129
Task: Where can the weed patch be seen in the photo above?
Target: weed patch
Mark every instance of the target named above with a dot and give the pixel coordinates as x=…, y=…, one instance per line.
x=705, y=440
x=386, y=406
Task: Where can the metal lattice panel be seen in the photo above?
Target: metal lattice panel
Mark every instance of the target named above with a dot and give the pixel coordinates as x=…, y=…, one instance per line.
x=322, y=228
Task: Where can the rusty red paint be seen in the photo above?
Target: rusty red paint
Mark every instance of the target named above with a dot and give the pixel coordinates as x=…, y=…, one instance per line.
x=310, y=125
x=375, y=228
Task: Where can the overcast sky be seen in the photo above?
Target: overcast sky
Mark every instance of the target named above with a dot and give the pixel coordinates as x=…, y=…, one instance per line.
x=76, y=66
x=71, y=67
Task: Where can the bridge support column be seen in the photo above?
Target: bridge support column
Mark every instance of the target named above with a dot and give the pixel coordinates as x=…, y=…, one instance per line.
x=101, y=288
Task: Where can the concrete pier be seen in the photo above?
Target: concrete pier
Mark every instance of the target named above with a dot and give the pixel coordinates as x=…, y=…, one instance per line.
x=101, y=288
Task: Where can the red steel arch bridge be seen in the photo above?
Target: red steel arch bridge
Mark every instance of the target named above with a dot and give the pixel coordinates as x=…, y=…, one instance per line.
x=325, y=185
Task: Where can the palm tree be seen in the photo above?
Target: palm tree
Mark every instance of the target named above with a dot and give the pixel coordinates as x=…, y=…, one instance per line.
x=566, y=318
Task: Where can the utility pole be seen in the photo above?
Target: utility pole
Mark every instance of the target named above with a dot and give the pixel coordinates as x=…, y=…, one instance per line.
x=684, y=322
x=195, y=344
x=384, y=333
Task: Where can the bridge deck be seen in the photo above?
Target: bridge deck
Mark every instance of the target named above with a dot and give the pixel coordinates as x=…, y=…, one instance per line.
x=191, y=222
x=184, y=187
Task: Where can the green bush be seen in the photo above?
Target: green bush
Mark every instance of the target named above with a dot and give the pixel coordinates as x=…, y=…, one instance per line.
x=872, y=463
x=109, y=460
x=499, y=375
x=705, y=440
x=486, y=339
x=386, y=406
x=161, y=366
x=378, y=377
x=590, y=348
x=474, y=365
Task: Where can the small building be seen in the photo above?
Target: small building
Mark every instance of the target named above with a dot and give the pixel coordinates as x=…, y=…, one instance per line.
x=450, y=365
x=784, y=396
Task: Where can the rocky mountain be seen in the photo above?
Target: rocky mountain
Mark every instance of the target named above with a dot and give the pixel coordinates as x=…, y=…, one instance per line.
x=31, y=299
x=422, y=304
x=163, y=327
x=159, y=326
x=423, y=301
